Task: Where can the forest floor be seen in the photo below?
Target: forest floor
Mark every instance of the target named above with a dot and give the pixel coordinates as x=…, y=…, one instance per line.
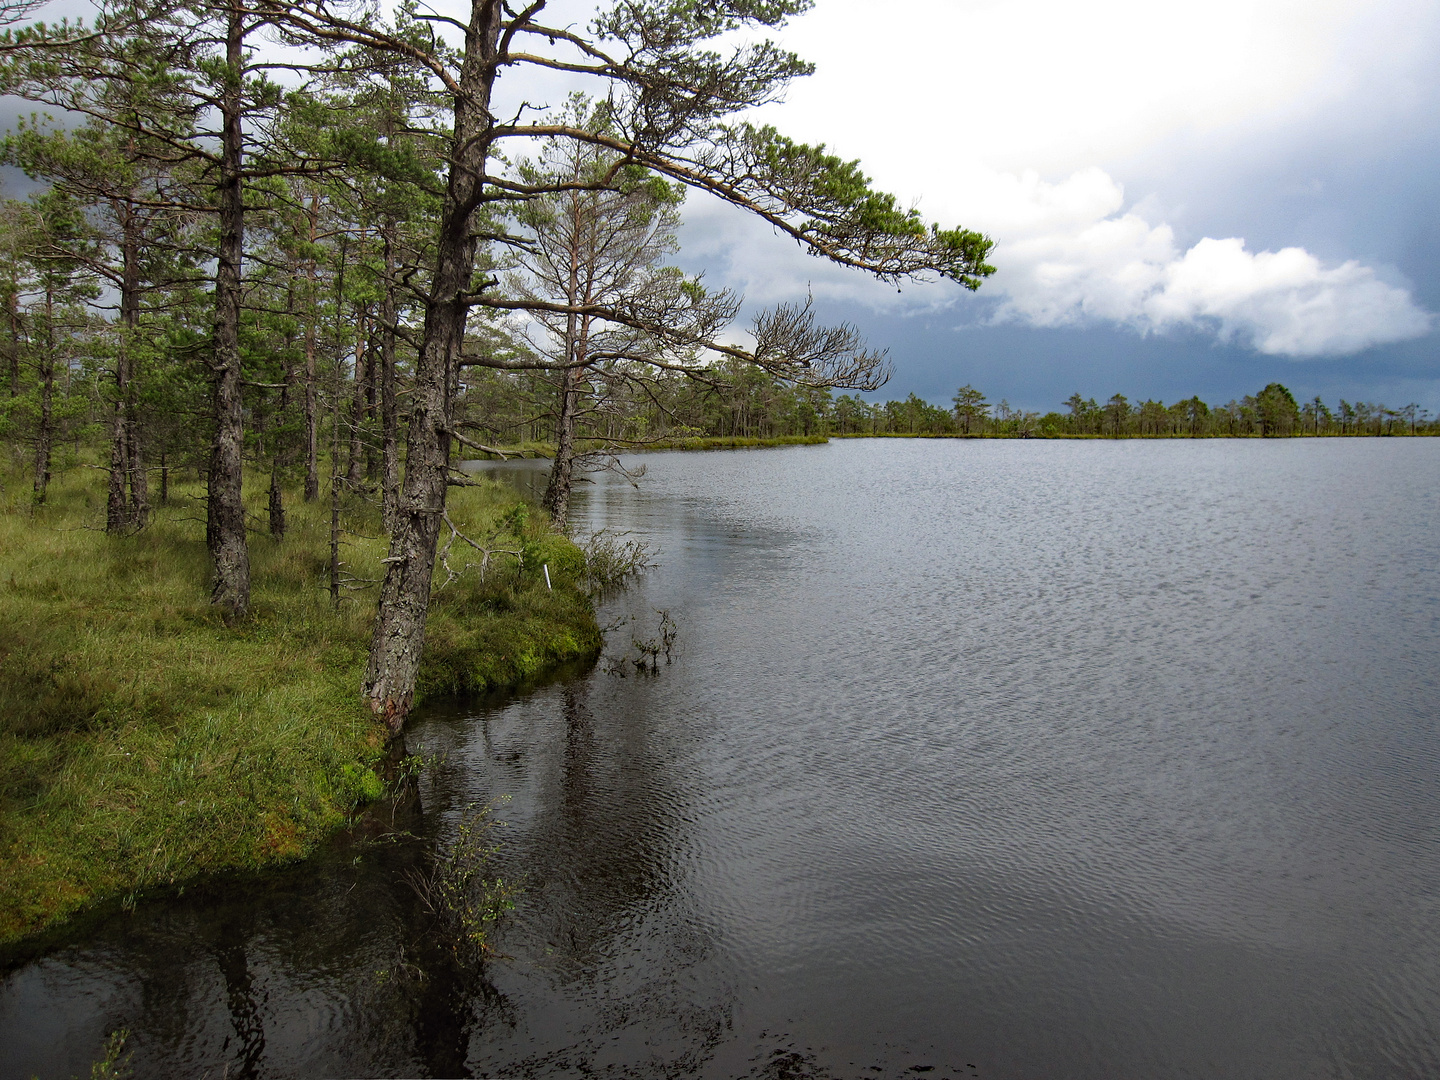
x=143, y=743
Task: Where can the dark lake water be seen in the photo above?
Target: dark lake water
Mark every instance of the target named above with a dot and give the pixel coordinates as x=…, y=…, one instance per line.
x=976, y=759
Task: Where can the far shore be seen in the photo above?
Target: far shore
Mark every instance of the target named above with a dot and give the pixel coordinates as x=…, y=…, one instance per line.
x=542, y=450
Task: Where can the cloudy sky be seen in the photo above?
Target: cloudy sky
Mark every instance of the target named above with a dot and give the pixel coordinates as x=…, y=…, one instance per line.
x=1186, y=197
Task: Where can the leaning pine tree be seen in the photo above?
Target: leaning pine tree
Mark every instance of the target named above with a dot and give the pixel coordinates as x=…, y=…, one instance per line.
x=670, y=95
x=596, y=246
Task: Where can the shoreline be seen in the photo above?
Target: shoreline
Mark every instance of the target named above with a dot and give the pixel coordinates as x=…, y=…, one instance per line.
x=545, y=451
x=1055, y=437
x=145, y=746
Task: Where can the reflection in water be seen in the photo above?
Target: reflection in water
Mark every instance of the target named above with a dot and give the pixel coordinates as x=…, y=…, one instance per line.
x=603, y=939
x=228, y=949
x=976, y=760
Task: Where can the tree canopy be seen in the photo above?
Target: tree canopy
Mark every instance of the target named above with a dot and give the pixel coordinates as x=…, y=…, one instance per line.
x=344, y=199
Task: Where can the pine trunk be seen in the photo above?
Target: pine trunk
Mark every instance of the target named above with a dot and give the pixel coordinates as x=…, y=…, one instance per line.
x=312, y=433
x=389, y=406
x=225, y=532
x=117, y=504
x=562, y=472
x=12, y=343
x=399, y=634
x=139, y=483
x=371, y=378
x=126, y=505
x=45, y=436
x=355, y=460
x=45, y=433
x=278, y=457
x=577, y=342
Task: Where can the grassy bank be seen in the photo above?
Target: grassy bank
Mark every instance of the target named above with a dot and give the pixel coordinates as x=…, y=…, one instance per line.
x=732, y=442
x=143, y=743
x=1111, y=438
x=697, y=442
x=962, y=435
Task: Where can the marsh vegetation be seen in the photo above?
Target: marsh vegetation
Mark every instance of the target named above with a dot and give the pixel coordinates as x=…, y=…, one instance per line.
x=144, y=742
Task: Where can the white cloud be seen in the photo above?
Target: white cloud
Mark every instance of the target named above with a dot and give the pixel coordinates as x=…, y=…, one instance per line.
x=966, y=104
x=1072, y=257
x=1285, y=301
x=1070, y=254
x=957, y=110
x=1055, y=85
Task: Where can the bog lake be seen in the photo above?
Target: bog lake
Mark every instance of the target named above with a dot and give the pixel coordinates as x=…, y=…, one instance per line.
x=988, y=759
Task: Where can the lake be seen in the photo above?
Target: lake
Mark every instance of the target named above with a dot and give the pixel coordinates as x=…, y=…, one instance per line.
x=991, y=759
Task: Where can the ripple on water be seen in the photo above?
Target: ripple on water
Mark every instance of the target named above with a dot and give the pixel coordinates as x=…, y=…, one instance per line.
x=988, y=759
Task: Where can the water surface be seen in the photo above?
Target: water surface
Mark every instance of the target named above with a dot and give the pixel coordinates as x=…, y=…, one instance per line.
x=981, y=758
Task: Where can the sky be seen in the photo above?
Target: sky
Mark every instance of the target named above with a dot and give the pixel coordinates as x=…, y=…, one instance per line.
x=1186, y=197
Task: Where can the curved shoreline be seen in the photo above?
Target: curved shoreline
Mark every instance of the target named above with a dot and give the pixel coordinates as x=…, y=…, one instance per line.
x=144, y=745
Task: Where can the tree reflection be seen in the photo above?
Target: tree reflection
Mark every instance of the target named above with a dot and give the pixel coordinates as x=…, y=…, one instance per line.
x=229, y=950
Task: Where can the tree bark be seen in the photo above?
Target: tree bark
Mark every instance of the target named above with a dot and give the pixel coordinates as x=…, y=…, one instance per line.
x=45, y=434
x=371, y=377
x=12, y=344
x=562, y=472
x=127, y=504
x=557, y=491
x=334, y=539
x=225, y=532
x=389, y=410
x=278, y=457
x=312, y=434
x=355, y=458
x=139, y=482
x=399, y=633
x=117, y=504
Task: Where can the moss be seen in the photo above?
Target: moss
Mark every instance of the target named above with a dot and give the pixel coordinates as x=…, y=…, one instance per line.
x=509, y=627
x=475, y=651
x=143, y=743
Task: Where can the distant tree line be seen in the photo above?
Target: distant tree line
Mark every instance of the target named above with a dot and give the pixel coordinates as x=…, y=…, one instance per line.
x=744, y=401
x=1270, y=412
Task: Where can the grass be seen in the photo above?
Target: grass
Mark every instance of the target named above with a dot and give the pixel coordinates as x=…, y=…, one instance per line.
x=691, y=442
x=732, y=442
x=143, y=743
x=911, y=435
